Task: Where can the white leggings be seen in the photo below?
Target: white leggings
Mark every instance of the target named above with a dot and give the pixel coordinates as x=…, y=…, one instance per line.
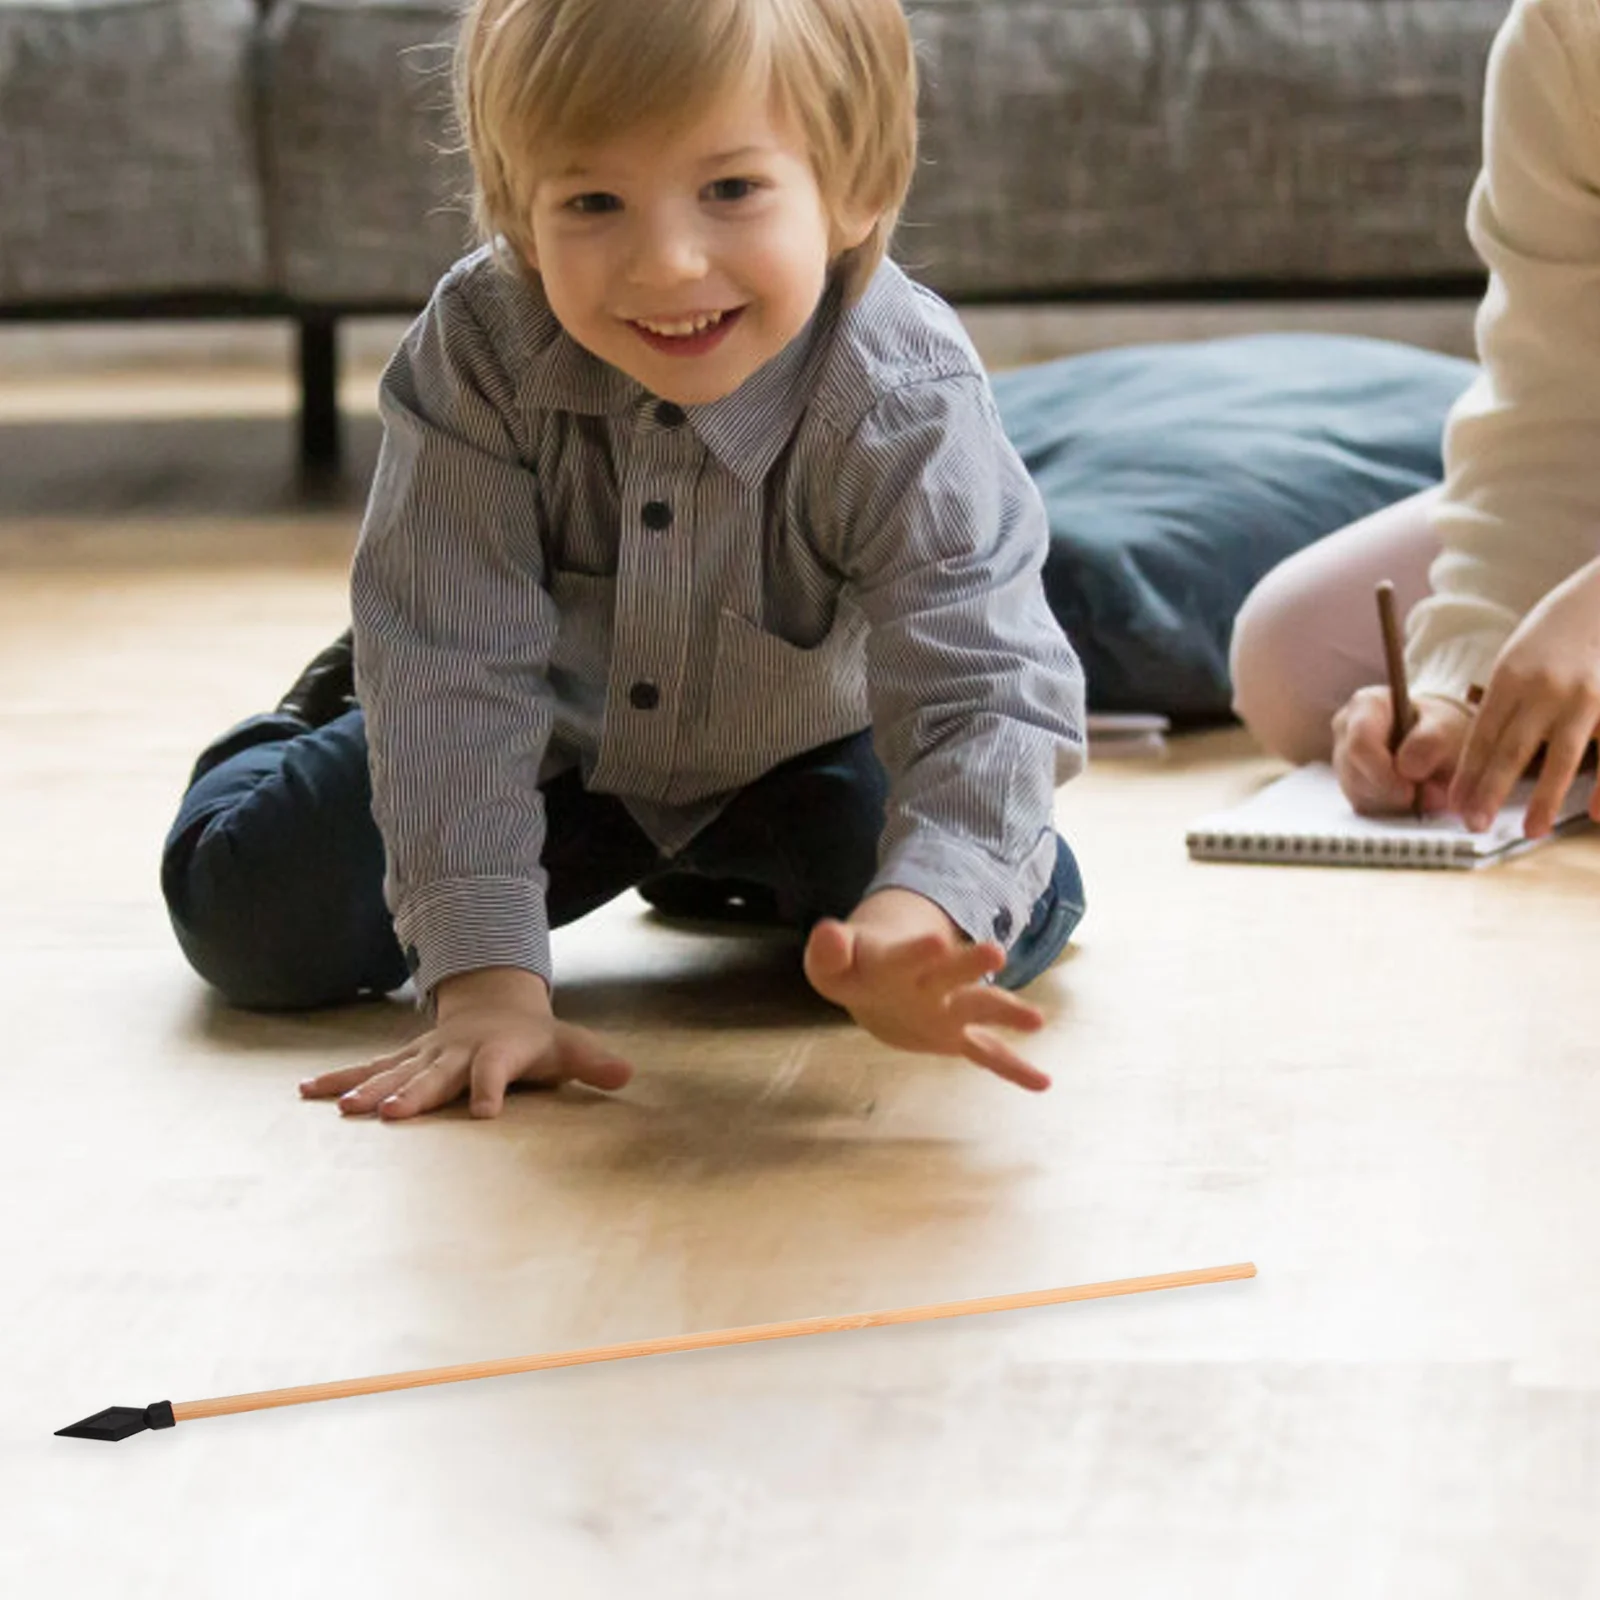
x=1307, y=635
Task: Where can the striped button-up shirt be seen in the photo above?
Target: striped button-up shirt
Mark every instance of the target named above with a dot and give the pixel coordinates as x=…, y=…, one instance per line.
x=557, y=569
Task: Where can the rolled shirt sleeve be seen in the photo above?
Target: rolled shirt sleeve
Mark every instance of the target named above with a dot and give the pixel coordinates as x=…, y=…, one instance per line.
x=977, y=698
x=453, y=632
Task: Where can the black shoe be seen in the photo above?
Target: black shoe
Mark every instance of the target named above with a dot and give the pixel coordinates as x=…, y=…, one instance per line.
x=327, y=687
x=693, y=898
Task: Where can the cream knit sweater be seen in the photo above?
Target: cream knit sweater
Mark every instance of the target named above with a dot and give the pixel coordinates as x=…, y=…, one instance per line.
x=1520, y=509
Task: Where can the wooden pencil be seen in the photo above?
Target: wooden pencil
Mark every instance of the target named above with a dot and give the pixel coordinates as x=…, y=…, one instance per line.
x=1403, y=717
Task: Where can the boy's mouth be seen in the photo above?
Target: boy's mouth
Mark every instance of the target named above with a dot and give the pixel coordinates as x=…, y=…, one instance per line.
x=686, y=336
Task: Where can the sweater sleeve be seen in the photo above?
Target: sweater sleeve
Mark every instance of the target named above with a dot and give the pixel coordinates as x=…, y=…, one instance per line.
x=1520, y=509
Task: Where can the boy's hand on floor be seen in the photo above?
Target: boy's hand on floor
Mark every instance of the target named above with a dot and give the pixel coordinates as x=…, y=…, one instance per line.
x=1379, y=784
x=494, y=1028
x=912, y=980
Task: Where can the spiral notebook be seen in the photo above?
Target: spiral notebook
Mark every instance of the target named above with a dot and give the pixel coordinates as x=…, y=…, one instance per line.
x=1305, y=818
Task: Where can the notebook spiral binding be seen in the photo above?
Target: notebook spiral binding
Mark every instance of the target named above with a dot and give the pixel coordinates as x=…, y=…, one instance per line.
x=1330, y=850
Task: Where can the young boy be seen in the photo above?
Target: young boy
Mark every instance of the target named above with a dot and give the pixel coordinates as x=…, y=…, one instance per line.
x=695, y=560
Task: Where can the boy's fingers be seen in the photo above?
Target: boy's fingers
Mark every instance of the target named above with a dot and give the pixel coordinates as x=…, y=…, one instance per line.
x=970, y=963
x=436, y=1084
x=916, y=954
x=342, y=1078
x=599, y=1069
x=995, y=1007
x=359, y=1099
x=984, y=1050
x=491, y=1071
x=326, y=1084
x=829, y=953
x=583, y=1057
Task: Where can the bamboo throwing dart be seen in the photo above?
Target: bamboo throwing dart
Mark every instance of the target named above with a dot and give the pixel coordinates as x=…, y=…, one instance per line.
x=122, y=1422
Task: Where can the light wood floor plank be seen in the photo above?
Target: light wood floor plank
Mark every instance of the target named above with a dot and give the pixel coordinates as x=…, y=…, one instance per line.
x=1384, y=1088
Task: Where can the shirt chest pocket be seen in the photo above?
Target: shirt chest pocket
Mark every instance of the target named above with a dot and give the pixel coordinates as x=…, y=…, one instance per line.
x=771, y=699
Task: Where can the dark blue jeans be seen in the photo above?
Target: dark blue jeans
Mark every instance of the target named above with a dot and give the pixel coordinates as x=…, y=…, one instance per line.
x=273, y=871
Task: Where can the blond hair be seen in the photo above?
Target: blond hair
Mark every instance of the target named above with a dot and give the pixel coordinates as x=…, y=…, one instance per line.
x=539, y=78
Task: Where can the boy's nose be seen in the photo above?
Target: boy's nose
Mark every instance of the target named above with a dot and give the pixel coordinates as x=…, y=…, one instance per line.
x=667, y=256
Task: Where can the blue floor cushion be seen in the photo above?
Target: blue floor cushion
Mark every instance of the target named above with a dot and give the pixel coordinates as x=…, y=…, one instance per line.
x=1176, y=475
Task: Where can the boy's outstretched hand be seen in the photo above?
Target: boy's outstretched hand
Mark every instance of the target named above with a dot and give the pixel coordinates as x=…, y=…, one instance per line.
x=494, y=1028
x=903, y=970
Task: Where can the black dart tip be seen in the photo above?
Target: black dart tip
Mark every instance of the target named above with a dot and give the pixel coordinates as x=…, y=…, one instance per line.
x=121, y=1422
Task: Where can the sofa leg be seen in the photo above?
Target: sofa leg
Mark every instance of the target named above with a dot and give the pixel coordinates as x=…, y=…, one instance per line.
x=320, y=443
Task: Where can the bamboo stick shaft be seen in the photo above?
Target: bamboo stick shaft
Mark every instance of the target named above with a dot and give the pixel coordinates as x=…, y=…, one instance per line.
x=192, y=1410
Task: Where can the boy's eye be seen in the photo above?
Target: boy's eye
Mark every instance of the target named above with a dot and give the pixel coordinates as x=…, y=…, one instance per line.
x=732, y=188
x=593, y=205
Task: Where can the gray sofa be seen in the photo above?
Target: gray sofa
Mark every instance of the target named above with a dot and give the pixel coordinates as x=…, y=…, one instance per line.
x=292, y=157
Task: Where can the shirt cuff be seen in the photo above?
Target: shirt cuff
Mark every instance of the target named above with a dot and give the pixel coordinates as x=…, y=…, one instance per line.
x=1453, y=666
x=463, y=924
x=985, y=897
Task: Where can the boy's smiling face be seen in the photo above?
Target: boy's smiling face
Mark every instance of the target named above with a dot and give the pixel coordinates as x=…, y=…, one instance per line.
x=689, y=261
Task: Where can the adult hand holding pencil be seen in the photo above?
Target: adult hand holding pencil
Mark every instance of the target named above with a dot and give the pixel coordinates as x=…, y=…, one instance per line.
x=1394, y=754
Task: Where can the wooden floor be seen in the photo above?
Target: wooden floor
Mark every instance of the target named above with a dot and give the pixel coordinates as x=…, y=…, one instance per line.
x=1383, y=1088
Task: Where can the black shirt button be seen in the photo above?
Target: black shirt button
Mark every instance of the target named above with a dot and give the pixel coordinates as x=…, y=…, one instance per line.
x=1002, y=924
x=657, y=515
x=670, y=416
x=644, y=697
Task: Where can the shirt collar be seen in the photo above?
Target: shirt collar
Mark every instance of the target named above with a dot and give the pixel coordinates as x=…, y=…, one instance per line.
x=571, y=379
x=746, y=430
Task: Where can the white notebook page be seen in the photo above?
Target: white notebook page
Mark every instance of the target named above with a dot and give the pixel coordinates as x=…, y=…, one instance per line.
x=1305, y=817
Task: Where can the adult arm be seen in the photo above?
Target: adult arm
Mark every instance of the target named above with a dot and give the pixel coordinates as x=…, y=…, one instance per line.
x=1520, y=510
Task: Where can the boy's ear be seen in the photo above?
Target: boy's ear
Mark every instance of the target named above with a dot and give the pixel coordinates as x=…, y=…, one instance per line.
x=851, y=226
